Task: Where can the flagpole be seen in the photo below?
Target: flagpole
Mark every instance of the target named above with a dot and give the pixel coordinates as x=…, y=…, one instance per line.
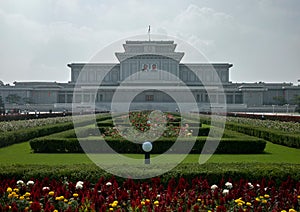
x=149, y=33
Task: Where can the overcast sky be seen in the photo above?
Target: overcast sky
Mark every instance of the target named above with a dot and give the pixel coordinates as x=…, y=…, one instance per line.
x=261, y=38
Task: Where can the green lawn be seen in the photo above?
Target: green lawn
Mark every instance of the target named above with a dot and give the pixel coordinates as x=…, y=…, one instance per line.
x=21, y=154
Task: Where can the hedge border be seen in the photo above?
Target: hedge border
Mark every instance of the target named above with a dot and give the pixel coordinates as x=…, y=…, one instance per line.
x=72, y=145
x=213, y=172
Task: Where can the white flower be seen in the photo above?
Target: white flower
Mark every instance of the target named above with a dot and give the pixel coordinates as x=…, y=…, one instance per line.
x=250, y=185
x=108, y=184
x=20, y=182
x=79, y=185
x=46, y=188
x=158, y=196
x=225, y=191
x=30, y=182
x=213, y=187
x=257, y=185
x=228, y=185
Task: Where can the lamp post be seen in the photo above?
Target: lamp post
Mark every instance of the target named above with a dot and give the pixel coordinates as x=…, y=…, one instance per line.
x=147, y=147
x=287, y=108
x=273, y=106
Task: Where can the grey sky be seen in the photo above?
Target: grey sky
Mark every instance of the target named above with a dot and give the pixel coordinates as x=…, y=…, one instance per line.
x=260, y=37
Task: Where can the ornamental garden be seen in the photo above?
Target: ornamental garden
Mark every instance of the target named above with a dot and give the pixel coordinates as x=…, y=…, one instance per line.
x=254, y=168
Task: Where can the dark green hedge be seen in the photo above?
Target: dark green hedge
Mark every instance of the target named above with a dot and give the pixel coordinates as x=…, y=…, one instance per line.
x=13, y=137
x=274, y=136
x=226, y=146
x=201, y=131
x=213, y=172
x=18, y=136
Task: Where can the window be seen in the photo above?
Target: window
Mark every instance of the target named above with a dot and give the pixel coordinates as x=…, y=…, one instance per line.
x=149, y=98
x=77, y=98
x=86, y=98
x=61, y=98
x=69, y=98
x=99, y=97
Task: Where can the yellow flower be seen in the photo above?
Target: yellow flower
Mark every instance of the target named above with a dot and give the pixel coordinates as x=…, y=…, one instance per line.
x=261, y=197
x=264, y=201
x=16, y=190
x=75, y=195
x=21, y=197
x=199, y=200
x=298, y=196
x=156, y=203
x=114, y=204
x=51, y=193
x=27, y=194
x=30, y=202
x=13, y=193
x=248, y=203
x=9, y=189
x=292, y=210
x=143, y=203
x=55, y=211
x=239, y=200
x=10, y=196
x=267, y=196
x=283, y=211
x=257, y=199
x=60, y=198
x=147, y=200
x=111, y=209
x=65, y=200
x=240, y=204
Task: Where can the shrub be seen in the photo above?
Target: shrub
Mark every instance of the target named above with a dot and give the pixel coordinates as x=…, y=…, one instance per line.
x=18, y=136
x=275, y=136
x=226, y=146
x=213, y=172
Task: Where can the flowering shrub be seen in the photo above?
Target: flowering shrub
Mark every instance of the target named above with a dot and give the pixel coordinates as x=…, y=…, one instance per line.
x=17, y=125
x=109, y=195
x=290, y=127
x=141, y=122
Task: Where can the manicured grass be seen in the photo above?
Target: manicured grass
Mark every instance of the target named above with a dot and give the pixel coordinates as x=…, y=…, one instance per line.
x=21, y=154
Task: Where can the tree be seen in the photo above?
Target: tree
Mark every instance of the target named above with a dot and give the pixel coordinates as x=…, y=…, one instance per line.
x=280, y=100
x=27, y=100
x=296, y=101
x=13, y=99
x=2, y=108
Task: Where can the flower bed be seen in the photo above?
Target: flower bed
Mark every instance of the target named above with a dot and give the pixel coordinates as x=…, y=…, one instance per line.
x=128, y=195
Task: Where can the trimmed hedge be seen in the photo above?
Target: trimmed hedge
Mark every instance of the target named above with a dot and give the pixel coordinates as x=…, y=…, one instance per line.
x=13, y=137
x=201, y=131
x=18, y=136
x=213, y=172
x=274, y=136
x=64, y=145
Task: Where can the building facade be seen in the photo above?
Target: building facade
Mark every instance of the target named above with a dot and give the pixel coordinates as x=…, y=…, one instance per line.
x=149, y=64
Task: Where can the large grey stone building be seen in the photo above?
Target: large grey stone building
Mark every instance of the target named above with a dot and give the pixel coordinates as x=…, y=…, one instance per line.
x=149, y=63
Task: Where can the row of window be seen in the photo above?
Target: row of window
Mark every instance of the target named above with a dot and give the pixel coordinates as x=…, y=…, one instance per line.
x=230, y=98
